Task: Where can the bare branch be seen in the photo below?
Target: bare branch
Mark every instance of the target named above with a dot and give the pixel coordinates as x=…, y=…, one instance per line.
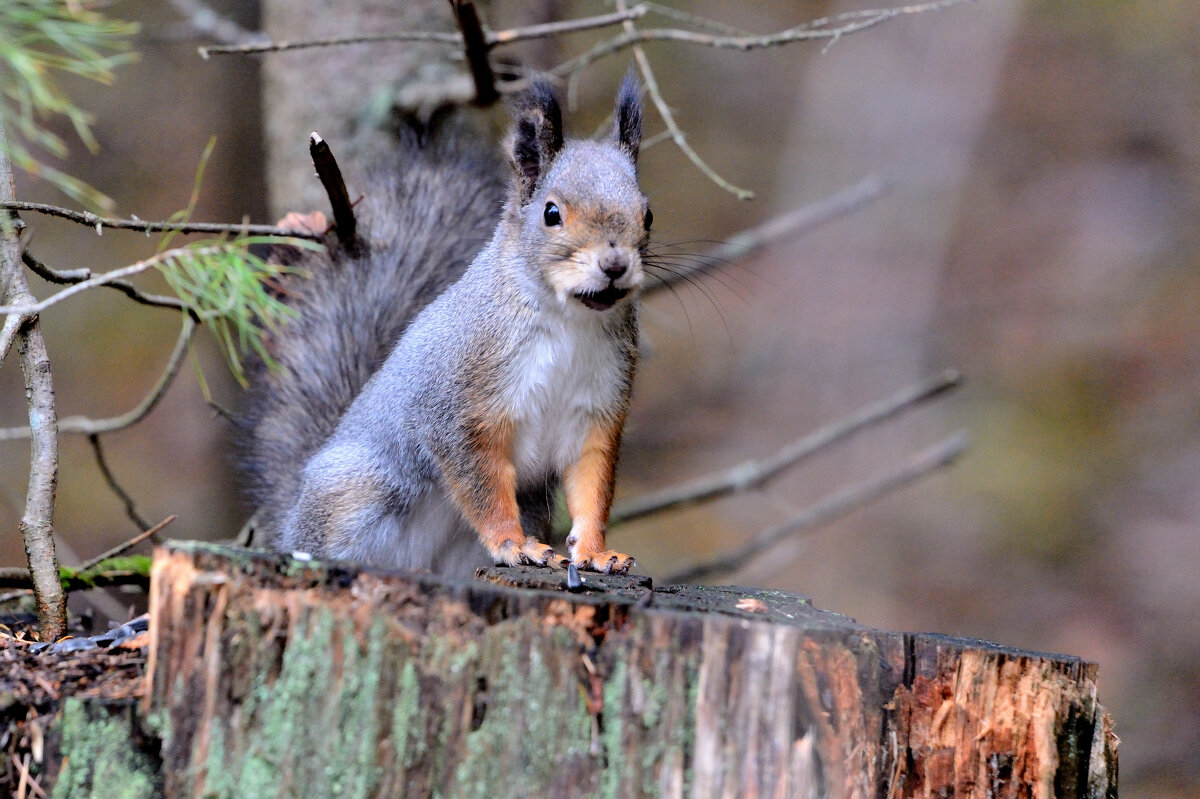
x=549, y=29
x=69, y=277
x=106, y=278
x=828, y=28
x=91, y=427
x=787, y=224
x=122, y=548
x=830, y=509
x=12, y=325
x=695, y=20
x=752, y=474
x=111, y=479
x=668, y=117
x=101, y=222
x=36, y=520
x=493, y=38
x=430, y=37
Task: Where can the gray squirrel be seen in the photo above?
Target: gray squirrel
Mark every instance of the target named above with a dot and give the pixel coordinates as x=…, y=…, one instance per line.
x=430, y=397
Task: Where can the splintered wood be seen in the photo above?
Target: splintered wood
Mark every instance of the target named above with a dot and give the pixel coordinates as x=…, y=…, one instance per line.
x=272, y=677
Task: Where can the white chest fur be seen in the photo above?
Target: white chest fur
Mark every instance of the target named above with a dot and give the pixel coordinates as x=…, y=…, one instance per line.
x=567, y=372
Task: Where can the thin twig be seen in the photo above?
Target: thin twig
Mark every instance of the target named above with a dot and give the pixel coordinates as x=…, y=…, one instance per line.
x=67, y=277
x=87, y=426
x=110, y=478
x=27, y=780
x=8, y=334
x=668, y=117
x=752, y=474
x=694, y=20
x=787, y=224
x=834, y=507
x=830, y=28
x=109, y=277
x=549, y=29
x=122, y=548
x=494, y=38
x=430, y=37
x=101, y=222
x=36, y=523
x=475, y=49
x=11, y=577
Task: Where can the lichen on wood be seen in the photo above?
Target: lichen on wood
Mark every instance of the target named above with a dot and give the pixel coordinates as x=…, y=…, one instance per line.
x=271, y=676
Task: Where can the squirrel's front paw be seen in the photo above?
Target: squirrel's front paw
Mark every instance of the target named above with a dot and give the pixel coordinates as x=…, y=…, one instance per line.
x=608, y=561
x=531, y=551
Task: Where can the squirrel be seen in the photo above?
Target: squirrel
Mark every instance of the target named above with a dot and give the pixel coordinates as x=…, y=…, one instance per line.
x=427, y=400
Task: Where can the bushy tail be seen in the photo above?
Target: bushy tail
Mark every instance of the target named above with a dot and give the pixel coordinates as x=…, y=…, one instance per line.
x=422, y=218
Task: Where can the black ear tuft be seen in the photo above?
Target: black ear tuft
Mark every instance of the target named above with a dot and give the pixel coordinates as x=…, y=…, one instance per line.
x=628, y=129
x=537, y=136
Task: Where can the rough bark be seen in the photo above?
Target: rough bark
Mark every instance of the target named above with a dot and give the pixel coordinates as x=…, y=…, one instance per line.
x=36, y=524
x=273, y=677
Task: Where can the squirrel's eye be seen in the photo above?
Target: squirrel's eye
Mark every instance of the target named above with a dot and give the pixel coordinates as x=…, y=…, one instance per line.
x=648, y=220
x=551, y=215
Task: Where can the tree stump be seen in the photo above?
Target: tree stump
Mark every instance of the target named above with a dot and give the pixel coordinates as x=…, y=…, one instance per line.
x=276, y=677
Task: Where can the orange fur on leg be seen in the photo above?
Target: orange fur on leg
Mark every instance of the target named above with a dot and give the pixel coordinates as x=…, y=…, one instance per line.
x=487, y=496
x=589, y=489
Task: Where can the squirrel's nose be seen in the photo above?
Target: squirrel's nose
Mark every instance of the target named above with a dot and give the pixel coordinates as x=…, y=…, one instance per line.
x=614, y=265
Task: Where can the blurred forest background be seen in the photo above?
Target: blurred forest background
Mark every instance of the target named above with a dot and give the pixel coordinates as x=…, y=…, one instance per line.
x=1040, y=234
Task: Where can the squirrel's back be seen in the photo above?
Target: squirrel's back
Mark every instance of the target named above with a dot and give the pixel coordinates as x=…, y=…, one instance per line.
x=424, y=215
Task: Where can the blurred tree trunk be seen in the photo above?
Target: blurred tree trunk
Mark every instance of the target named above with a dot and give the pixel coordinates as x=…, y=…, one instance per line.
x=349, y=94
x=343, y=93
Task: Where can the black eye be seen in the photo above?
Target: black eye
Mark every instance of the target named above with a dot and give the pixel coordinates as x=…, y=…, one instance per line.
x=551, y=215
x=648, y=220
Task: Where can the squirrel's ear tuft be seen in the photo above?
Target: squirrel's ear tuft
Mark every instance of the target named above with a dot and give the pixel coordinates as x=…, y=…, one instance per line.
x=537, y=135
x=628, y=129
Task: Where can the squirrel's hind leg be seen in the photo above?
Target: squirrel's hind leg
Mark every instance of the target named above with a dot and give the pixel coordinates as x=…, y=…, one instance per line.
x=344, y=513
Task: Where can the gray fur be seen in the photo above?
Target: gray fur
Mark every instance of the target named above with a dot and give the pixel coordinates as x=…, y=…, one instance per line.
x=364, y=474
x=424, y=216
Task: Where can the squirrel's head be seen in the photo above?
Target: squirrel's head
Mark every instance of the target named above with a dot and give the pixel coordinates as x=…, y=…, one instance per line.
x=576, y=203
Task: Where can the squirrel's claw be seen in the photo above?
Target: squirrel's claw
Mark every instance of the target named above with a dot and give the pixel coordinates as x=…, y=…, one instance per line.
x=531, y=551
x=607, y=561
x=539, y=554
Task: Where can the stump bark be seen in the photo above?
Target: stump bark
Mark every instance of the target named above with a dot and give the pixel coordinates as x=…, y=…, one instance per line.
x=275, y=677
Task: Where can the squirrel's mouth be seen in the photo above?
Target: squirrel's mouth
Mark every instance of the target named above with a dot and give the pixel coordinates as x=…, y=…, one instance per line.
x=603, y=299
